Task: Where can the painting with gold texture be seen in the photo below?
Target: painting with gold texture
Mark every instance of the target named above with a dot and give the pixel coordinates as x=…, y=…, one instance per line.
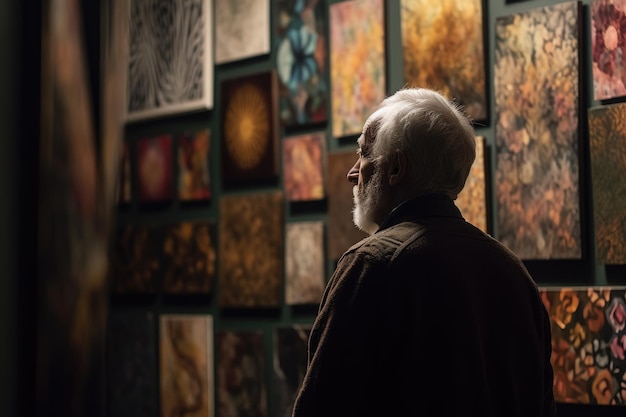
x=536, y=83
x=304, y=262
x=608, y=48
x=304, y=158
x=472, y=200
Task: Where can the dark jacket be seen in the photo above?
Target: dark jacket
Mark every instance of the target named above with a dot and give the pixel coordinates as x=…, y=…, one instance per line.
x=429, y=316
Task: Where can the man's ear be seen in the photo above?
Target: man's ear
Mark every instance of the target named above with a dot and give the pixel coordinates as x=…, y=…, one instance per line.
x=397, y=167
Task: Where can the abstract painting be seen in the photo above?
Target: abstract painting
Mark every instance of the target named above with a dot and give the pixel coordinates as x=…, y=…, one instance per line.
x=186, y=365
x=588, y=344
x=242, y=29
x=608, y=50
x=189, y=257
x=241, y=386
x=342, y=233
x=290, y=362
x=301, y=61
x=124, y=188
x=170, y=67
x=131, y=354
x=155, y=169
x=357, y=63
x=607, y=146
x=304, y=160
x=536, y=83
x=472, y=200
x=193, y=166
x=304, y=262
x=444, y=49
x=249, y=118
x=251, y=242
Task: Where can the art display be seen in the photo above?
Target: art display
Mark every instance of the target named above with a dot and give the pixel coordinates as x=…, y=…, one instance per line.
x=304, y=262
x=241, y=382
x=608, y=50
x=124, y=189
x=304, y=167
x=249, y=120
x=194, y=179
x=302, y=62
x=443, y=48
x=155, y=169
x=588, y=344
x=132, y=387
x=189, y=258
x=607, y=147
x=472, y=200
x=342, y=233
x=251, y=242
x=170, y=63
x=186, y=365
x=242, y=29
x=290, y=361
x=357, y=63
x=536, y=82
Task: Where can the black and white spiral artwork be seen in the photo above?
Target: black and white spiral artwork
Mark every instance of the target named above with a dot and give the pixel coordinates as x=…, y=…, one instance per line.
x=170, y=57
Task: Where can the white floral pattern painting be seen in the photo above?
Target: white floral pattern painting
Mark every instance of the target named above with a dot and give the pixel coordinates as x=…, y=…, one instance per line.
x=242, y=29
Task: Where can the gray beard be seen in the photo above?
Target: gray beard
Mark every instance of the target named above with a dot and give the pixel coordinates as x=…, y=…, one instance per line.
x=363, y=213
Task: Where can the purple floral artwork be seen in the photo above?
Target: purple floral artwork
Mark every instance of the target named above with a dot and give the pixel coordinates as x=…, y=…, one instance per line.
x=608, y=46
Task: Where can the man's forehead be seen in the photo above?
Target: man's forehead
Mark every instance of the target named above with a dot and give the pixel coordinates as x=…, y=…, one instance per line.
x=376, y=116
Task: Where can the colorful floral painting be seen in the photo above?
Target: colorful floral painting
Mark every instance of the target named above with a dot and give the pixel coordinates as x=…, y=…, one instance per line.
x=304, y=262
x=444, y=49
x=155, y=169
x=608, y=48
x=193, y=166
x=301, y=61
x=588, y=344
x=472, y=200
x=290, y=353
x=536, y=82
x=607, y=146
x=304, y=163
x=357, y=63
x=242, y=29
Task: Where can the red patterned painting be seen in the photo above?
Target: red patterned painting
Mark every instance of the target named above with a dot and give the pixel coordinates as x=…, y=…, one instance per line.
x=608, y=49
x=193, y=165
x=155, y=169
x=304, y=158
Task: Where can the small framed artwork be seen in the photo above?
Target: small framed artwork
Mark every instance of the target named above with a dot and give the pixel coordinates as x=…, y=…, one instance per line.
x=304, y=262
x=170, y=62
x=242, y=29
x=194, y=180
x=608, y=51
x=304, y=158
x=154, y=169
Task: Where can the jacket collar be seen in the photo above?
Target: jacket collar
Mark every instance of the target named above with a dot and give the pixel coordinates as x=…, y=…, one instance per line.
x=428, y=205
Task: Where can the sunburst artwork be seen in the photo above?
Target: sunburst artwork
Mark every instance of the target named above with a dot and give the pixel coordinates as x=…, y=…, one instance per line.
x=608, y=49
x=249, y=128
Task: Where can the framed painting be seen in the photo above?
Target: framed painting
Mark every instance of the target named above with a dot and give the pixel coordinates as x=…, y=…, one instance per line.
x=304, y=164
x=251, y=241
x=357, y=63
x=155, y=169
x=170, y=62
x=607, y=148
x=194, y=180
x=241, y=382
x=302, y=61
x=472, y=200
x=189, y=258
x=186, y=365
x=290, y=361
x=242, y=29
x=537, y=131
x=342, y=233
x=304, y=262
x=444, y=49
x=608, y=50
x=249, y=137
x=588, y=335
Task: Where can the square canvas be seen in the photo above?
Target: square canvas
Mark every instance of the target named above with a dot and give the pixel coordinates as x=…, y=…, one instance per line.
x=302, y=61
x=249, y=121
x=155, y=169
x=241, y=382
x=124, y=188
x=132, y=387
x=170, y=63
x=607, y=146
x=342, y=233
x=304, y=160
x=194, y=180
x=588, y=344
x=444, y=49
x=186, y=365
x=290, y=362
x=304, y=262
x=242, y=29
x=537, y=131
x=608, y=50
x=472, y=200
x=251, y=241
x=189, y=258
x=357, y=63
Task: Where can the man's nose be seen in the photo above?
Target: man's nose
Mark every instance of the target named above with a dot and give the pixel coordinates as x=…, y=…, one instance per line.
x=353, y=174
